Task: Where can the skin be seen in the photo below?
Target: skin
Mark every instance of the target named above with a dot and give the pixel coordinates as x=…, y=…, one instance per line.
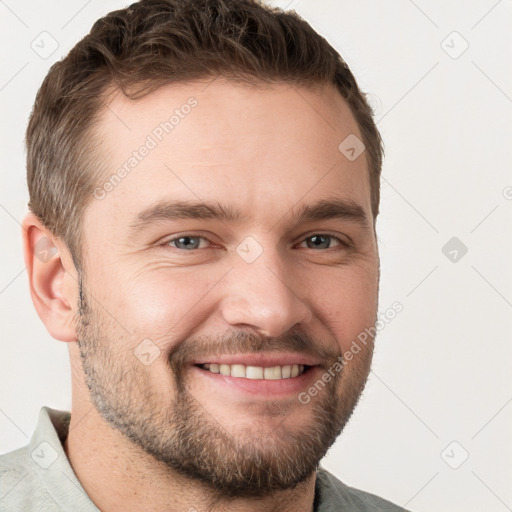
x=265, y=151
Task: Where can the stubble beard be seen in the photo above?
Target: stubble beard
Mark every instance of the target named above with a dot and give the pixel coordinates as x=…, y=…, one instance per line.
x=247, y=462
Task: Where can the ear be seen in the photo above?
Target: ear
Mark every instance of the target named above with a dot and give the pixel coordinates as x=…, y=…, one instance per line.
x=52, y=278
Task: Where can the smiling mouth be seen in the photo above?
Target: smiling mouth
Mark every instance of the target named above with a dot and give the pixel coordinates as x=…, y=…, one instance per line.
x=256, y=372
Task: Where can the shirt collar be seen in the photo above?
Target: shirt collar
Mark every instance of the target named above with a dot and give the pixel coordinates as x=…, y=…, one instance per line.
x=51, y=464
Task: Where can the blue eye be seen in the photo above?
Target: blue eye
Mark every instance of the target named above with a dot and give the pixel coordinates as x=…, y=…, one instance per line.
x=186, y=242
x=317, y=241
x=323, y=241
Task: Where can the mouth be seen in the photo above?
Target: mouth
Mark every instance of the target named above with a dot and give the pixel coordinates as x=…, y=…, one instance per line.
x=259, y=375
x=288, y=371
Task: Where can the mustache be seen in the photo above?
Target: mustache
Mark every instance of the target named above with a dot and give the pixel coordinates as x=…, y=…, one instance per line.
x=249, y=342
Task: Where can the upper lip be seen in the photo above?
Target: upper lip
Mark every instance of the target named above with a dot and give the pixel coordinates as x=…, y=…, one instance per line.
x=261, y=359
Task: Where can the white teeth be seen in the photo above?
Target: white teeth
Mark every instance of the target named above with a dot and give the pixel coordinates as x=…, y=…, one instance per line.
x=225, y=369
x=272, y=373
x=237, y=370
x=256, y=372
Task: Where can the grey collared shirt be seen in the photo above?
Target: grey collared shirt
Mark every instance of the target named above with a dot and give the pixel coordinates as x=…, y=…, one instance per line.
x=39, y=477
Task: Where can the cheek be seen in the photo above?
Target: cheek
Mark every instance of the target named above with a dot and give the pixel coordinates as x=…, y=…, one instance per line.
x=347, y=304
x=166, y=304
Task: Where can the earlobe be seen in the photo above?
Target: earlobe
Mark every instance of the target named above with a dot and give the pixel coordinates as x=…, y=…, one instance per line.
x=52, y=282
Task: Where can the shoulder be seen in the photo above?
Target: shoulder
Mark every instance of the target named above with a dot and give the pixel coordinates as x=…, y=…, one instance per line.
x=39, y=476
x=330, y=493
x=20, y=486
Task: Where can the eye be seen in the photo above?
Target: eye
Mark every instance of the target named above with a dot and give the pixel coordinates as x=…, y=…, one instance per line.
x=324, y=241
x=187, y=243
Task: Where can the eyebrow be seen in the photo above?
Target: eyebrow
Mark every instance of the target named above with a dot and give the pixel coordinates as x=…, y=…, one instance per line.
x=325, y=209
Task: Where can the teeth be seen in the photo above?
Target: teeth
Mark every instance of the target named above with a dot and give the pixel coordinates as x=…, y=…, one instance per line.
x=225, y=369
x=237, y=370
x=272, y=373
x=256, y=372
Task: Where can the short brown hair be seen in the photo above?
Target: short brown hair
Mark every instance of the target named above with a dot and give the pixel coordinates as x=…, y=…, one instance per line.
x=157, y=42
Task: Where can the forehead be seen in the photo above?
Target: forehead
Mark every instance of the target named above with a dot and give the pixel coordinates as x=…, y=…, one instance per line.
x=259, y=148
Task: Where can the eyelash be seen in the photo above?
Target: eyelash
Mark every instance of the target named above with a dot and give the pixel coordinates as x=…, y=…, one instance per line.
x=344, y=244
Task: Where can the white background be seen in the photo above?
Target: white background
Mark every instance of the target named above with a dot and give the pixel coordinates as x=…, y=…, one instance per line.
x=442, y=367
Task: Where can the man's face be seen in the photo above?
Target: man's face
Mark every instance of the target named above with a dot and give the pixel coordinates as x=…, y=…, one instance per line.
x=168, y=290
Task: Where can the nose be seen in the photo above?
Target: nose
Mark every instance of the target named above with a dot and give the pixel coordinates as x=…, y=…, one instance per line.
x=261, y=295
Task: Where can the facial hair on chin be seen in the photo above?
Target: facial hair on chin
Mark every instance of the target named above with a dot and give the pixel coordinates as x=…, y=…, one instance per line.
x=191, y=442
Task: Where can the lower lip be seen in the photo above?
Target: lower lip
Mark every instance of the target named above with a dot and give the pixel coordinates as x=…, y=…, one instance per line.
x=261, y=387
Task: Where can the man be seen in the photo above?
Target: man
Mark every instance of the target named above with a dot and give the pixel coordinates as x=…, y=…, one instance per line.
x=204, y=185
